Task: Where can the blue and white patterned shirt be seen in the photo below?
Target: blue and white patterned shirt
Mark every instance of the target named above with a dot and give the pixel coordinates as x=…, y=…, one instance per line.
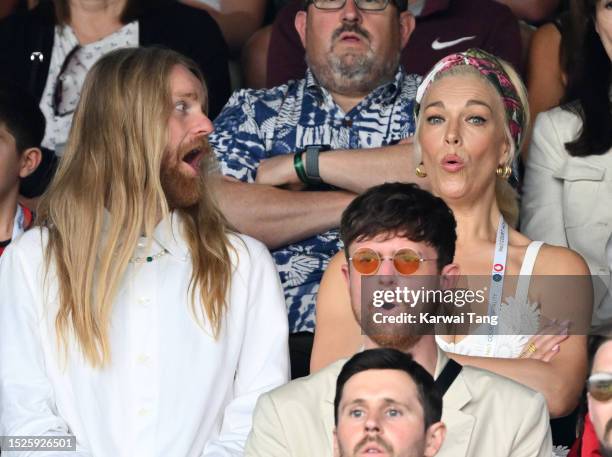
x=259, y=124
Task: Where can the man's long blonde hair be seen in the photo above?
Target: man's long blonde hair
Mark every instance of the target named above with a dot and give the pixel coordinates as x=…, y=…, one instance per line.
x=112, y=164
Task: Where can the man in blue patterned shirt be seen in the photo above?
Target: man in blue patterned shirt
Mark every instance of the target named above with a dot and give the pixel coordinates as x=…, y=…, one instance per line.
x=345, y=124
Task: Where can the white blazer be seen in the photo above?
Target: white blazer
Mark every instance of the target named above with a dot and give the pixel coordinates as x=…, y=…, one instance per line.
x=567, y=200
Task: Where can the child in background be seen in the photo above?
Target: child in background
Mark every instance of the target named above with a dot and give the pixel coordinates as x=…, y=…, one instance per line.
x=22, y=127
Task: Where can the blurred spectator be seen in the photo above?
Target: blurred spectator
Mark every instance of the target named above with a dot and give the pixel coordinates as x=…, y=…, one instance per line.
x=22, y=126
x=254, y=58
x=532, y=11
x=7, y=7
x=568, y=185
x=443, y=27
x=52, y=47
x=238, y=19
x=553, y=47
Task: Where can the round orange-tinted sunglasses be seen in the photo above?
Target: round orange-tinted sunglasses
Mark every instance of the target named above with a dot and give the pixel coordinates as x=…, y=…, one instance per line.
x=405, y=261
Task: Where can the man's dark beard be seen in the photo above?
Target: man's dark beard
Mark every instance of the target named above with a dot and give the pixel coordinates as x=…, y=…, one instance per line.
x=605, y=449
x=183, y=191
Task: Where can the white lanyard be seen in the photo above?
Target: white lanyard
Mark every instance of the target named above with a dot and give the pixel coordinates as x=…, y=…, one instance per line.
x=19, y=224
x=497, y=279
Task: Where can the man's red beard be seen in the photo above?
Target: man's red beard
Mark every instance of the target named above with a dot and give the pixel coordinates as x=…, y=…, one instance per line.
x=385, y=336
x=182, y=190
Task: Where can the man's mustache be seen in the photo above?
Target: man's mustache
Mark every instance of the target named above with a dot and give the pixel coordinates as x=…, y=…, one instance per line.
x=373, y=439
x=351, y=28
x=199, y=143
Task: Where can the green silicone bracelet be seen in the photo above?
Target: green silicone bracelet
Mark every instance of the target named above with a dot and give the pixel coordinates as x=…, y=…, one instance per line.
x=299, y=167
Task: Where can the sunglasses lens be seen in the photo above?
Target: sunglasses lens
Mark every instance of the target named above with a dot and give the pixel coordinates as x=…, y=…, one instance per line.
x=600, y=386
x=406, y=261
x=366, y=261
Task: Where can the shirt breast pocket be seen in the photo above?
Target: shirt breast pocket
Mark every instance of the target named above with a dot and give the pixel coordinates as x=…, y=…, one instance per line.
x=583, y=202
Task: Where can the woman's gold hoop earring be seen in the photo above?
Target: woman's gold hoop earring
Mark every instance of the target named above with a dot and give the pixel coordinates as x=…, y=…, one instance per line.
x=420, y=171
x=503, y=171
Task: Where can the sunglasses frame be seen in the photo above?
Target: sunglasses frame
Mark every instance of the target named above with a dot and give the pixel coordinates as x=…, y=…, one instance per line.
x=58, y=90
x=392, y=258
x=590, y=385
x=357, y=2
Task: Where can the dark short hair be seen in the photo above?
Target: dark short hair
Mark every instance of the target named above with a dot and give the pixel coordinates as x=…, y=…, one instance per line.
x=21, y=115
x=403, y=210
x=429, y=396
x=402, y=5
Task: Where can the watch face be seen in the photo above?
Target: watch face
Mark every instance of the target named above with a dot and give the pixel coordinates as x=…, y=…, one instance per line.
x=318, y=147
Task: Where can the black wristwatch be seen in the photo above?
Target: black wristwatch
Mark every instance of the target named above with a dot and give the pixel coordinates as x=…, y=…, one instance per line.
x=311, y=161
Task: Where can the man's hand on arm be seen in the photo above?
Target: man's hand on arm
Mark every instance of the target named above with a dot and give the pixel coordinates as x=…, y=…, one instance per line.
x=357, y=170
x=279, y=171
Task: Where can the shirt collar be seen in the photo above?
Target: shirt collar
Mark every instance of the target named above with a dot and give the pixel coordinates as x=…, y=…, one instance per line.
x=167, y=234
x=386, y=91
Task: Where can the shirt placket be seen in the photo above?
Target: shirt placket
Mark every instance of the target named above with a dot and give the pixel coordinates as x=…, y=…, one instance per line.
x=144, y=344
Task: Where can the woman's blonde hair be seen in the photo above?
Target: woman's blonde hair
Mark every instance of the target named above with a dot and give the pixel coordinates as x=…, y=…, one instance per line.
x=112, y=164
x=505, y=195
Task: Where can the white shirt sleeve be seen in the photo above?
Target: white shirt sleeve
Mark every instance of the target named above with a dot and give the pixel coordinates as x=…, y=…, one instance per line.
x=264, y=357
x=542, y=202
x=27, y=403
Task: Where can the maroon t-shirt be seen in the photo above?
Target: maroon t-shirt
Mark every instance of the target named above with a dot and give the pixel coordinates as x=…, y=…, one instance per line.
x=443, y=27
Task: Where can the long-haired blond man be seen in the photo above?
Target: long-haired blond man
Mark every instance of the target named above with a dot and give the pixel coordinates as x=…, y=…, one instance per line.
x=132, y=318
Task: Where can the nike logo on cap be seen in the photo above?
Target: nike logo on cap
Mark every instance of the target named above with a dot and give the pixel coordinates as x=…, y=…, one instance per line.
x=437, y=44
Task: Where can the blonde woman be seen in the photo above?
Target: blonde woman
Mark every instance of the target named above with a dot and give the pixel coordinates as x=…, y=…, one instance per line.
x=132, y=317
x=473, y=113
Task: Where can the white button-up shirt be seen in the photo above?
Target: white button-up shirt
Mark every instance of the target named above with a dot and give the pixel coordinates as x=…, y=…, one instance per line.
x=171, y=389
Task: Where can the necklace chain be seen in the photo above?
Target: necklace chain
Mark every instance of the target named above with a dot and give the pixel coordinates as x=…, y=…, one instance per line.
x=149, y=258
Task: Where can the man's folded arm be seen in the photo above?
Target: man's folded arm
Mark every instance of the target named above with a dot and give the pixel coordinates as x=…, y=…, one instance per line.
x=357, y=170
x=278, y=217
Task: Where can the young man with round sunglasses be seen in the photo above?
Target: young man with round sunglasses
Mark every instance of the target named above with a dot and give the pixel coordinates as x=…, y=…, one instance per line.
x=409, y=233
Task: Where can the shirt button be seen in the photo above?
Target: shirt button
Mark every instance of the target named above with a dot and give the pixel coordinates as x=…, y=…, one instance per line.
x=143, y=359
x=347, y=123
x=143, y=412
x=144, y=301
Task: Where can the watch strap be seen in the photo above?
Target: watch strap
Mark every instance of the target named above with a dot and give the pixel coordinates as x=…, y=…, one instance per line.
x=311, y=163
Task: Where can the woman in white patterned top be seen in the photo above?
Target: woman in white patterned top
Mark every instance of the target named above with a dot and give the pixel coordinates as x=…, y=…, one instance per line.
x=50, y=49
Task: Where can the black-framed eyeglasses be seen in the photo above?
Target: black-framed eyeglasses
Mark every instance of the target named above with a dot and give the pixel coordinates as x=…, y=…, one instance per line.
x=364, y=5
x=58, y=91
